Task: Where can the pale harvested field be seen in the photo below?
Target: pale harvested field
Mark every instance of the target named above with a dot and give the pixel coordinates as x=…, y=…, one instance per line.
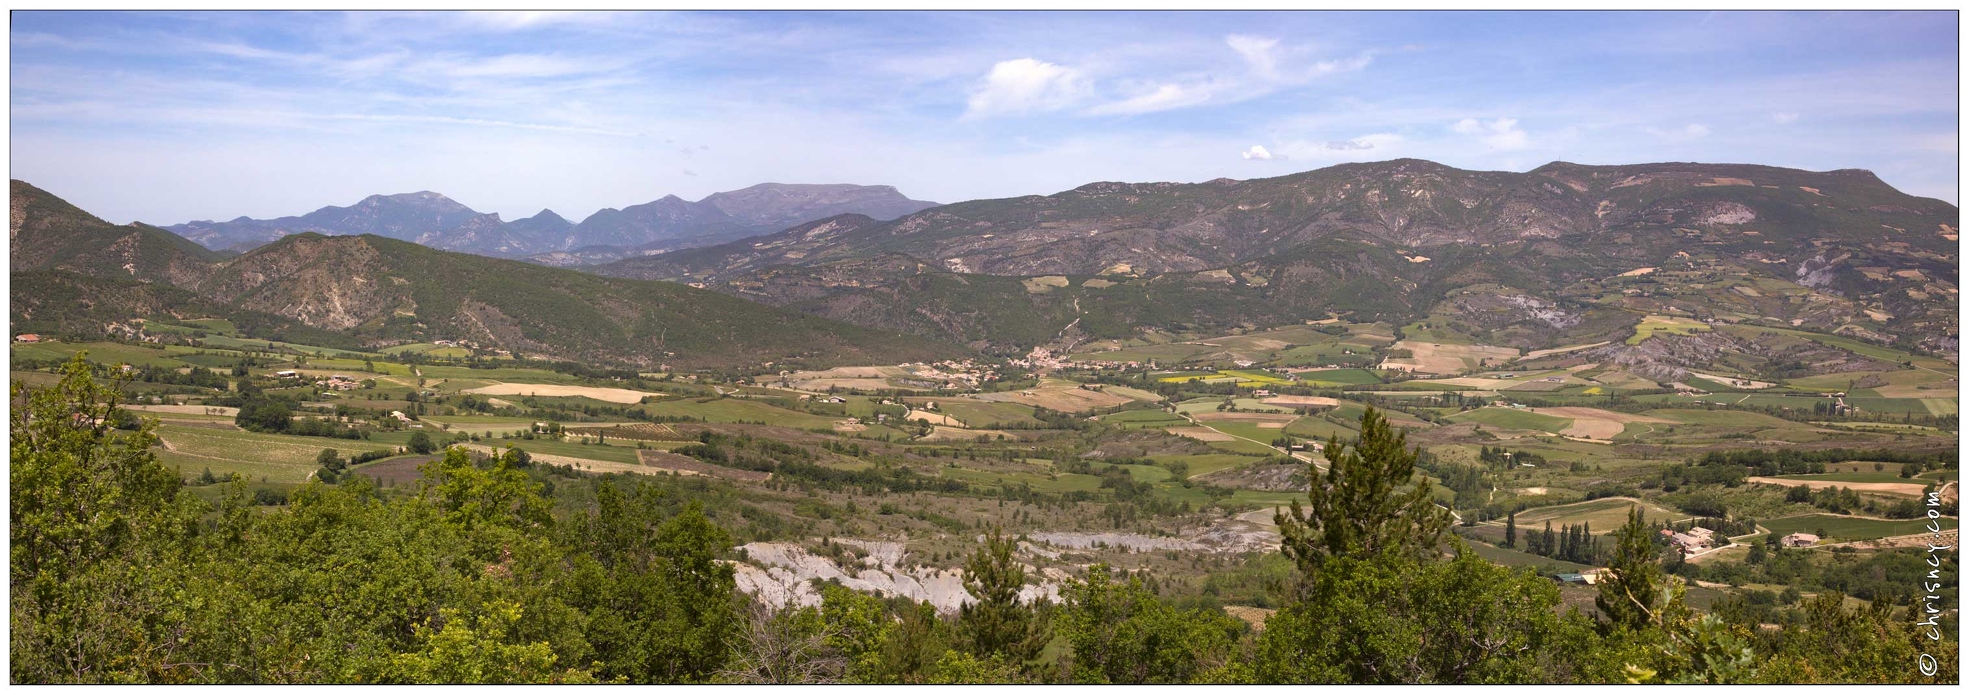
x=847, y=384
x=1916, y=540
x=1578, y=412
x=1136, y=394
x=1535, y=354
x=1623, y=379
x=1202, y=434
x=851, y=378
x=1299, y=401
x=1593, y=429
x=684, y=465
x=1272, y=425
x=1045, y=283
x=1070, y=400
x=600, y=393
x=1738, y=382
x=1214, y=416
x=933, y=418
x=959, y=434
x=1438, y=358
x=1594, y=423
x=1907, y=384
x=186, y=409
x=1909, y=489
x=849, y=373
x=1255, y=616
x=1477, y=382
x=591, y=465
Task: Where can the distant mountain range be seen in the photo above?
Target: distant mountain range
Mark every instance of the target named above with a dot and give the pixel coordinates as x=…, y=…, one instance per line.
x=1562, y=255
x=75, y=274
x=668, y=223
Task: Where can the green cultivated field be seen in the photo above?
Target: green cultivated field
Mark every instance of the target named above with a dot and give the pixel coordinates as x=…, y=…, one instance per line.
x=1604, y=514
x=1512, y=418
x=1138, y=419
x=1338, y=377
x=981, y=414
x=278, y=458
x=1201, y=464
x=1514, y=558
x=1665, y=325
x=737, y=410
x=1724, y=418
x=1846, y=528
x=1891, y=475
x=103, y=353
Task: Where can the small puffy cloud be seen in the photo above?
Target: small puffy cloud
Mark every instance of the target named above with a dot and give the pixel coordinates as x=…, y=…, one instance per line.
x=1499, y=134
x=1357, y=144
x=1024, y=86
x=1260, y=153
x=1784, y=117
x=1692, y=131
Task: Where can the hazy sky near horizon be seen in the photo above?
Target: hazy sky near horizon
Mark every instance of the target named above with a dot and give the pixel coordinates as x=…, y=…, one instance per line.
x=167, y=117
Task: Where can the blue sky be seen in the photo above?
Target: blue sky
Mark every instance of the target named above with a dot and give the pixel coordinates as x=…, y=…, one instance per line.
x=169, y=117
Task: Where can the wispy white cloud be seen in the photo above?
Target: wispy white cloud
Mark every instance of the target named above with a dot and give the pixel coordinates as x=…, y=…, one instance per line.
x=1354, y=64
x=1159, y=98
x=570, y=111
x=512, y=20
x=1264, y=67
x=1498, y=134
x=1692, y=131
x=1258, y=51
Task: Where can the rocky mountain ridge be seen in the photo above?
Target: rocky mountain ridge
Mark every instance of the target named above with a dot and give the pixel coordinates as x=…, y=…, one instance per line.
x=664, y=224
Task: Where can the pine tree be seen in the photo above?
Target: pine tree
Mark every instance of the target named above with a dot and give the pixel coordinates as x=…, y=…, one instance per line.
x=1632, y=592
x=1511, y=530
x=1366, y=503
x=997, y=624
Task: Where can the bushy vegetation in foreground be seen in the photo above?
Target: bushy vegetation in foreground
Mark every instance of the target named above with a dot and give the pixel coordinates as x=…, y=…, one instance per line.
x=119, y=574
